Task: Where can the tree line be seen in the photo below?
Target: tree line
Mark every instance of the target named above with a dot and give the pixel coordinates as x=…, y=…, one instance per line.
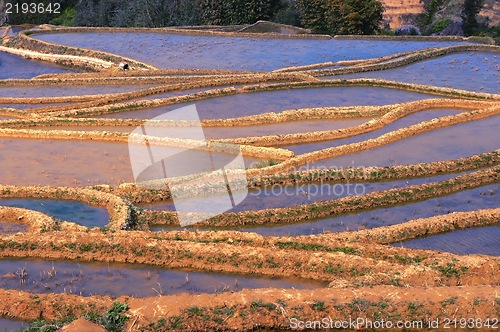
x=322, y=16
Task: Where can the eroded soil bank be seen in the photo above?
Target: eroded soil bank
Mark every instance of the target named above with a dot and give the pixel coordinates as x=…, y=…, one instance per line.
x=273, y=309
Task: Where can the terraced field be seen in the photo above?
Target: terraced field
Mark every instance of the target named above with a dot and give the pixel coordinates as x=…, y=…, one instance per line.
x=371, y=166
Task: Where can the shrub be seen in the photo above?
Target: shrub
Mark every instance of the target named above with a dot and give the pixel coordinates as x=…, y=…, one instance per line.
x=441, y=24
x=469, y=14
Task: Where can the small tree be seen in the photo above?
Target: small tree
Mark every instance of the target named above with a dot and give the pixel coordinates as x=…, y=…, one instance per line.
x=341, y=16
x=234, y=12
x=357, y=17
x=314, y=14
x=469, y=13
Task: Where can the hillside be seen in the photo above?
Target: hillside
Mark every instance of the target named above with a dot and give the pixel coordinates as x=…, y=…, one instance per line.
x=397, y=11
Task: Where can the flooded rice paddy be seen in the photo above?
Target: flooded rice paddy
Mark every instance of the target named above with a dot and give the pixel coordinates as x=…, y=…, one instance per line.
x=138, y=280
x=288, y=195
x=448, y=143
x=401, y=123
x=485, y=197
x=14, y=66
x=72, y=163
x=210, y=52
x=82, y=214
x=243, y=104
x=77, y=163
x=481, y=69
x=480, y=240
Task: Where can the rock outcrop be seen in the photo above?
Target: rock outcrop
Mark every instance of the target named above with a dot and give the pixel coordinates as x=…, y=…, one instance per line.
x=407, y=30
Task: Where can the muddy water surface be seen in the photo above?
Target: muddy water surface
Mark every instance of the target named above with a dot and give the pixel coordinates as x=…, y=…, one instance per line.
x=8, y=325
x=256, y=54
x=230, y=132
x=448, y=143
x=401, y=123
x=485, y=197
x=82, y=214
x=130, y=279
x=13, y=66
x=481, y=70
x=7, y=227
x=481, y=240
x=76, y=163
x=276, y=101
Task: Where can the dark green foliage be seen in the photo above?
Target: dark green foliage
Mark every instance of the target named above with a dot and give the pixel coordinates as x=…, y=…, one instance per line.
x=343, y=17
x=113, y=320
x=469, y=13
x=314, y=14
x=288, y=14
x=494, y=31
x=66, y=18
x=441, y=24
x=431, y=7
x=156, y=13
x=41, y=325
x=327, y=16
x=235, y=12
x=318, y=306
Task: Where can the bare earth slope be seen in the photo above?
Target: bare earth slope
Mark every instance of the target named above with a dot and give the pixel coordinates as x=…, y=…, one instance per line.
x=395, y=10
